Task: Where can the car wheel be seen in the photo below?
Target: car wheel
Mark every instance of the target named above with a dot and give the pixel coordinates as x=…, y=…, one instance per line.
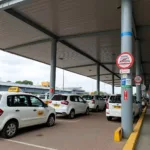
x=50, y=121
x=87, y=111
x=72, y=114
x=10, y=129
x=97, y=108
x=109, y=118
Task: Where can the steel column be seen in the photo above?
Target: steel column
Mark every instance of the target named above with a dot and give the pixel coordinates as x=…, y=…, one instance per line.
x=126, y=46
x=113, y=84
x=53, y=67
x=138, y=72
x=98, y=77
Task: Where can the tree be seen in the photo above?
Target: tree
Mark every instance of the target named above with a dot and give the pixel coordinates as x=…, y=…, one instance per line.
x=25, y=82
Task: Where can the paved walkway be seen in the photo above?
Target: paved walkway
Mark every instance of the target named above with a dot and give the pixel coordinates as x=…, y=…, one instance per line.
x=144, y=138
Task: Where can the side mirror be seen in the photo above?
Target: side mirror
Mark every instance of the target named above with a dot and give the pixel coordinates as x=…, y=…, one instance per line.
x=45, y=105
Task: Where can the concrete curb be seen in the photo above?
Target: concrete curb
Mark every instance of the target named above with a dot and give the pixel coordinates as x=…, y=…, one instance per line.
x=132, y=140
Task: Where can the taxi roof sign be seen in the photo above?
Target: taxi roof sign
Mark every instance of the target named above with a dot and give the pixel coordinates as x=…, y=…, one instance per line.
x=14, y=89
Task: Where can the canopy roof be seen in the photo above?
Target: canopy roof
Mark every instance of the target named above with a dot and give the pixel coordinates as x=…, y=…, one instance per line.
x=88, y=32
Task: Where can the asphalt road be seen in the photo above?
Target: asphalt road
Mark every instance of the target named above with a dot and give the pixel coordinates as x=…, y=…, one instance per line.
x=91, y=132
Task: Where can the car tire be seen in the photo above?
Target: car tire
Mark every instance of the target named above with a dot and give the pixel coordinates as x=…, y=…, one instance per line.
x=50, y=121
x=87, y=111
x=72, y=114
x=109, y=118
x=10, y=129
x=97, y=108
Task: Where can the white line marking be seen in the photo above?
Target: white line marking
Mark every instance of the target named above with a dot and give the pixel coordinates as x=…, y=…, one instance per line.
x=28, y=144
x=69, y=121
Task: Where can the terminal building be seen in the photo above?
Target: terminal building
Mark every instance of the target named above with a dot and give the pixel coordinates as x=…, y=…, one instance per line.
x=40, y=89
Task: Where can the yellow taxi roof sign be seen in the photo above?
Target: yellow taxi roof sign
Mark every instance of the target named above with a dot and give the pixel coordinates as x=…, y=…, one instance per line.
x=14, y=89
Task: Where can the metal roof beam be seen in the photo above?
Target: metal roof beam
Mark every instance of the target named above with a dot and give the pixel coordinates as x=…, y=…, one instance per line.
x=87, y=65
x=102, y=74
x=110, y=80
x=97, y=33
x=28, y=44
x=49, y=33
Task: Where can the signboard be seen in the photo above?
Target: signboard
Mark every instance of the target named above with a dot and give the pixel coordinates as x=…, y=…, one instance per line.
x=124, y=71
x=143, y=87
x=125, y=60
x=51, y=90
x=126, y=83
x=138, y=79
x=123, y=82
x=125, y=94
x=14, y=89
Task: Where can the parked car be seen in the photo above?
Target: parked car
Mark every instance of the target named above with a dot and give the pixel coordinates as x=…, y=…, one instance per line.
x=69, y=105
x=18, y=110
x=113, y=107
x=96, y=102
x=45, y=98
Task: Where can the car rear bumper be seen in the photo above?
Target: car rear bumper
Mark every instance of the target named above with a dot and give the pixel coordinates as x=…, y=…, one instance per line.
x=114, y=114
x=62, y=111
x=92, y=106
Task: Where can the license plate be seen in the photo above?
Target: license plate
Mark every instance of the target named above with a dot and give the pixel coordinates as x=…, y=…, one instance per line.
x=56, y=105
x=117, y=107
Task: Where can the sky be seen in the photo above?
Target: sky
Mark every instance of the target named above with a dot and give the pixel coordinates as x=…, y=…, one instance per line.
x=13, y=68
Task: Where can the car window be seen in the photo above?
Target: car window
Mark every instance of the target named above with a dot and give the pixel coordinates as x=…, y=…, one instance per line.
x=59, y=97
x=101, y=98
x=87, y=97
x=80, y=99
x=115, y=99
x=0, y=97
x=35, y=102
x=74, y=98
x=48, y=95
x=17, y=101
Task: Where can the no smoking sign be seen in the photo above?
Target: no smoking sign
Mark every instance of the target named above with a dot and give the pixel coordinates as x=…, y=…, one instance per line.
x=125, y=60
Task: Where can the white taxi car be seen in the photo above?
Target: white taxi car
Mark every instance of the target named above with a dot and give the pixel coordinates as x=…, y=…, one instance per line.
x=96, y=102
x=113, y=107
x=18, y=110
x=69, y=105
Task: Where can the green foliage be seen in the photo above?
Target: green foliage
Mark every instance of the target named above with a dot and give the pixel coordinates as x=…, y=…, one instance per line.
x=24, y=82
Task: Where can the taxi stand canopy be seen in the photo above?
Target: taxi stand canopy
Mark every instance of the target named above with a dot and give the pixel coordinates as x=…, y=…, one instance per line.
x=80, y=36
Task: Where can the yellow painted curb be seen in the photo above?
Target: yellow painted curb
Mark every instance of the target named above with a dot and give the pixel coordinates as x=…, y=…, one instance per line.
x=131, y=142
x=118, y=135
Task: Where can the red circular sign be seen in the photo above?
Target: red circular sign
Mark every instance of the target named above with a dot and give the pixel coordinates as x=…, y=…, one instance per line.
x=125, y=60
x=138, y=79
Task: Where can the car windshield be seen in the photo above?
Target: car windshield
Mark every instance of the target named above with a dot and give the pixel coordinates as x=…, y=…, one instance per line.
x=87, y=97
x=59, y=97
x=115, y=99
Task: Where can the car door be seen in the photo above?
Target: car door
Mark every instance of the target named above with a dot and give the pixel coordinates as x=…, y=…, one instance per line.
x=82, y=105
x=40, y=113
x=75, y=103
x=20, y=107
